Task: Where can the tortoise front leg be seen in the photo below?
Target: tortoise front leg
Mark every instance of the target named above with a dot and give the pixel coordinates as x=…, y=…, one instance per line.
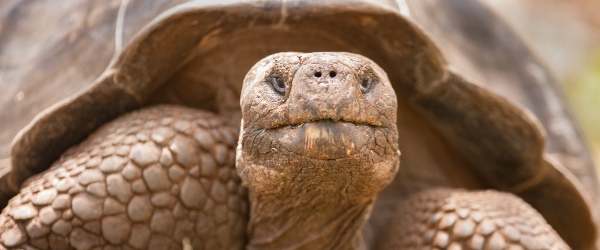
x=443, y=218
x=147, y=180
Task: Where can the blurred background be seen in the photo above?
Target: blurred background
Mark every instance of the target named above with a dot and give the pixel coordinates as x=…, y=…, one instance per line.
x=565, y=34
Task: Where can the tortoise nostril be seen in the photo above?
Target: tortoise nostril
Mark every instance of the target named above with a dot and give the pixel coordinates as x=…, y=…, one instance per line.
x=332, y=74
x=318, y=74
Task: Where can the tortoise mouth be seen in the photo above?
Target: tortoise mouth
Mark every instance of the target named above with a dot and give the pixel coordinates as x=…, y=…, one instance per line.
x=323, y=122
x=323, y=139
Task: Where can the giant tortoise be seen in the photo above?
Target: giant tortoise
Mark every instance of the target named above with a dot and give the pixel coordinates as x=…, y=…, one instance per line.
x=165, y=176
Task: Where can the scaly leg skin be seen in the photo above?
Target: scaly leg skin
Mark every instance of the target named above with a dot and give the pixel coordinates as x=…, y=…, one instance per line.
x=452, y=219
x=147, y=180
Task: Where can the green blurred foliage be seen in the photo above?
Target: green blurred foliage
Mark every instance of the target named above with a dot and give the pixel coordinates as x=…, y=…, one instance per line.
x=583, y=91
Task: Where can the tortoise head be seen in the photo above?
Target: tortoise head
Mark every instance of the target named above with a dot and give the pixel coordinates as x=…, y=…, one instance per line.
x=319, y=121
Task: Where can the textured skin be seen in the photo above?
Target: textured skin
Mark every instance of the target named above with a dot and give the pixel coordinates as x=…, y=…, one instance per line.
x=146, y=180
x=453, y=219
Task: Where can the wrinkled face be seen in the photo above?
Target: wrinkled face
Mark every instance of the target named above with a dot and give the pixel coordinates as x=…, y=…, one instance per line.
x=318, y=120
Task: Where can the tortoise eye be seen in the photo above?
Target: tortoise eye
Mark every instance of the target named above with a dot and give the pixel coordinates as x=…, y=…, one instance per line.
x=277, y=83
x=366, y=83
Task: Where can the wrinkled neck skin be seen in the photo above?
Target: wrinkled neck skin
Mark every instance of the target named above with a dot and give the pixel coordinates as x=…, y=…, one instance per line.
x=302, y=202
x=307, y=218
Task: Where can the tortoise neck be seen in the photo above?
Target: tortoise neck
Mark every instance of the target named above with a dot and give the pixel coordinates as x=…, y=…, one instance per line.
x=321, y=223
